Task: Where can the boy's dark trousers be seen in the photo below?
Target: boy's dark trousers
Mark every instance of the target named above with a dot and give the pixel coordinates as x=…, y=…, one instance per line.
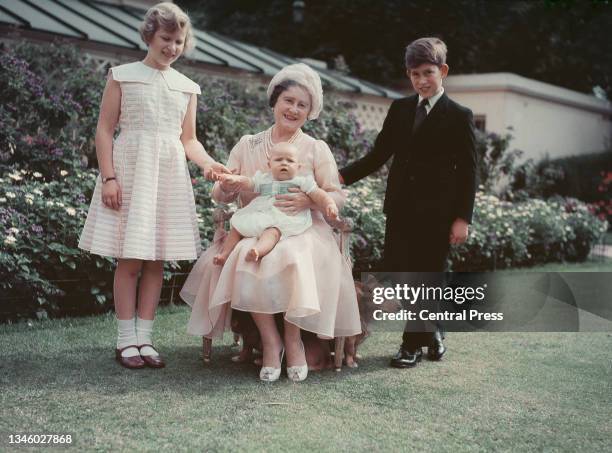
x=431, y=183
x=420, y=251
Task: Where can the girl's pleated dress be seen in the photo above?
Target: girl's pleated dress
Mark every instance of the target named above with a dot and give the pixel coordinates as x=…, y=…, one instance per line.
x=157, y=219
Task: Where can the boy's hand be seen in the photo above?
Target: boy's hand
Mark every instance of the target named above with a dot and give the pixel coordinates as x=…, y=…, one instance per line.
x=212, y=171
x=458, y=232
x=331, y=211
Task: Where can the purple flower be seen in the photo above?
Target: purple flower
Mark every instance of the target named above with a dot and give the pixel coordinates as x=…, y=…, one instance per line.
x=37, y=229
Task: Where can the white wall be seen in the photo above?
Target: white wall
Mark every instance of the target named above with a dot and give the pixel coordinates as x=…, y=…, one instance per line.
x=545, y=118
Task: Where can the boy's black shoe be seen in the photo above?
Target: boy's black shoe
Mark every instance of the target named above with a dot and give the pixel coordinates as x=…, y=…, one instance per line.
x=406, y=359
x=436, y=349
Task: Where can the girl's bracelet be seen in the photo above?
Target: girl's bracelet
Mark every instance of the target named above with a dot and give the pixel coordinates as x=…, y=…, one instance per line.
x=110, y=178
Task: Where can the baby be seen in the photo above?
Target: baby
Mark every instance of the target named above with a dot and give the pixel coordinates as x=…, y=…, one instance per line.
x=263, y=220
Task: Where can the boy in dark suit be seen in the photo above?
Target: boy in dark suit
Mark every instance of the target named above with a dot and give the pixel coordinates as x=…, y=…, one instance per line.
x=431, y=183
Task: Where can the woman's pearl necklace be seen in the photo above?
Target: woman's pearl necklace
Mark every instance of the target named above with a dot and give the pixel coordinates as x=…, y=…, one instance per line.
x=269, y=143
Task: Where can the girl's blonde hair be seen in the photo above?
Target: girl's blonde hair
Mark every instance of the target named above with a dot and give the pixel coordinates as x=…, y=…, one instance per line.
x=170, y=17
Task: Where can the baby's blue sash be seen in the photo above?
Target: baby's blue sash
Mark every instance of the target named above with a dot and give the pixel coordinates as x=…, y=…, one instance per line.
x=276, y=188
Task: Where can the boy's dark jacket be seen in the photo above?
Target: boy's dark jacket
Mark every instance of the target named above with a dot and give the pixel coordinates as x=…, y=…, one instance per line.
x=433, y=174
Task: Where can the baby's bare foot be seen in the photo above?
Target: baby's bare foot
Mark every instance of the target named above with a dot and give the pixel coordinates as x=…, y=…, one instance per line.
x=252, y=255
x=219, y=259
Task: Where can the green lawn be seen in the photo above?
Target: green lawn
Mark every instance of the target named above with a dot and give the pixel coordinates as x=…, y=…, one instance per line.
x=512, y=392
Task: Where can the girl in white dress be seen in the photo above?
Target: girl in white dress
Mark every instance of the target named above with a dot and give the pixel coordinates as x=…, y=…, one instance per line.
x=263, y=220
x=143, y=210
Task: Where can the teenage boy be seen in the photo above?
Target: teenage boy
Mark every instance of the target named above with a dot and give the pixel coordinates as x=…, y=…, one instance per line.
x=431, y=183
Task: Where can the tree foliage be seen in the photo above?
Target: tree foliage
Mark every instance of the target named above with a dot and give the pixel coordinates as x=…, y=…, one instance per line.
x=556, y=41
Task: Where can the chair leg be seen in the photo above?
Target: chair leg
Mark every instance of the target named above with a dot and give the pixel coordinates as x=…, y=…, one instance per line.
x=206, y=350
x=338, y=352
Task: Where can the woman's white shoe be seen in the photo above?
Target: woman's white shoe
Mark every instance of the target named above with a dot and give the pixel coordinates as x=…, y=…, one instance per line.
x=269, y=373
x=298, y=373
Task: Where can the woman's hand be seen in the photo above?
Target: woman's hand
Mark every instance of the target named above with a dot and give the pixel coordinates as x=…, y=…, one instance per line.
x=293, y=203
x=212, y=171
x=111, y=194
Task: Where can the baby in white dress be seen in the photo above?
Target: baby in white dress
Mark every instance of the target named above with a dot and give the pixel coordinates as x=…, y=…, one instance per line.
x=261, y=218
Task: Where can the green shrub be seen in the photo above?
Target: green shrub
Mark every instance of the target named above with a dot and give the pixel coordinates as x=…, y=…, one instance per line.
x=505, y=234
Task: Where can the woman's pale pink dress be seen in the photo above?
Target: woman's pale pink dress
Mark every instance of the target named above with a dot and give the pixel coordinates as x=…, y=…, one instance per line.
x=304, y=276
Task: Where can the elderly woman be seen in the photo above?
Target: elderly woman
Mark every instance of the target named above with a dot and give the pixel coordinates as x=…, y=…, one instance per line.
x=304, y=276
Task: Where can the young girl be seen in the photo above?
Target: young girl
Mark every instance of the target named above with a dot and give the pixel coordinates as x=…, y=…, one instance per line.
x=263, y=220
x=143, y=209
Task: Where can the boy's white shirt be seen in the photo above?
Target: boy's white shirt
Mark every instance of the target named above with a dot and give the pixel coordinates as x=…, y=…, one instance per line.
x=432, y=100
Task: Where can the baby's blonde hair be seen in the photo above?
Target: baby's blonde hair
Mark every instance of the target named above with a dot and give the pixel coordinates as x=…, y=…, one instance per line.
x=284, y=146
x=169, y=17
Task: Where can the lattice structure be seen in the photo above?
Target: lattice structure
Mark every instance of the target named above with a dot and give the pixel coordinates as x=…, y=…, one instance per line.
x=370, y=114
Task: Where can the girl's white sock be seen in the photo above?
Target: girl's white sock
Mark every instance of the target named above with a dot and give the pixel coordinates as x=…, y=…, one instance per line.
x=126, y=336
x=144, y=330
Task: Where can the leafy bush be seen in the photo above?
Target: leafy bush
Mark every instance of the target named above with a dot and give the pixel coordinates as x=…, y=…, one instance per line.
x=505, y=234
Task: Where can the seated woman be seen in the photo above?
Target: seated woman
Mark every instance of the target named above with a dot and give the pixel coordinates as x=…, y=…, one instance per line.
x=303, y=276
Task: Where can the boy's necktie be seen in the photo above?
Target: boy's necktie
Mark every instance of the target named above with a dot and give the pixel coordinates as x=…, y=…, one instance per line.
x=420, y=115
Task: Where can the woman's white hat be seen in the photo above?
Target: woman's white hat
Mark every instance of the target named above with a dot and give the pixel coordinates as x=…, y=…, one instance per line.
x=308, y=78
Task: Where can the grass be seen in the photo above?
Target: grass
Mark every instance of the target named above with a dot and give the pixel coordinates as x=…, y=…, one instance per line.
x=499, y=391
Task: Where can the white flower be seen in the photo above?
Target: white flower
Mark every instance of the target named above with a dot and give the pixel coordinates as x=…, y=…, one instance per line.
x=23, y=172
x=2, y=200
x=50, y=203
x=567, y=228
x=10, y=240
x=1, y=180
x=63, y=172
x=13, y=230
x=29, y=201
x=71, y=211
x=10, y=195
x=29, y=196
x=15, y=176
x=37, y=192
x=36, y=175
x=61, y=205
